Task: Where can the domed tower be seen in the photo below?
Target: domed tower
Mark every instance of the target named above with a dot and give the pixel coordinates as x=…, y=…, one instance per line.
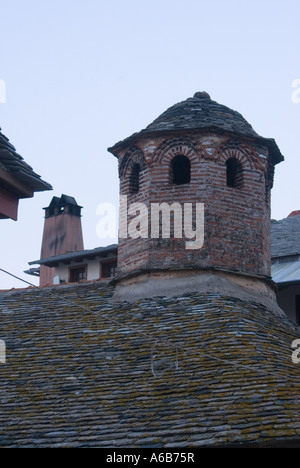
x=195, y=203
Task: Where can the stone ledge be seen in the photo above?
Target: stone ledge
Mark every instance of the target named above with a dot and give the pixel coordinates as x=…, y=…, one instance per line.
x=172, y=283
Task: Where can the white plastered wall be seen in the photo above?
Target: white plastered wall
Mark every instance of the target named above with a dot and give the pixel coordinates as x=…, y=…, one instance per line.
x=93, y=270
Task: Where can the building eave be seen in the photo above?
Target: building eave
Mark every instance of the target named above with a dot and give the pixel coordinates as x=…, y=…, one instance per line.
x=76, y=256
x=15, y=165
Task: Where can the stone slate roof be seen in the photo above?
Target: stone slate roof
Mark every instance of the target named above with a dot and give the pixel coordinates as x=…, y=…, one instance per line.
x=12, y=162
x=202, y=113
x=286, y=272
x=193, y=371
x=285, y=236
x=77, y=256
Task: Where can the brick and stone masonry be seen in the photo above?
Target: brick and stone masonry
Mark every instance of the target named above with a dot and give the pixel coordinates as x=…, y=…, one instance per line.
x=231, y=172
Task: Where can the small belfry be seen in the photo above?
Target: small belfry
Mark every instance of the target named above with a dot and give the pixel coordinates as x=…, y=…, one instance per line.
x=197, y=153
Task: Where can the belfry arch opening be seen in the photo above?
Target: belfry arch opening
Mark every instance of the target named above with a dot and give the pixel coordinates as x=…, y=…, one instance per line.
x=134, y=180
x=234, y=173
x=180, y=170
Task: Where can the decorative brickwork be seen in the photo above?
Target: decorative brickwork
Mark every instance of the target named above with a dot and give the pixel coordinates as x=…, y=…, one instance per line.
x=172, y=147
x=133, y=156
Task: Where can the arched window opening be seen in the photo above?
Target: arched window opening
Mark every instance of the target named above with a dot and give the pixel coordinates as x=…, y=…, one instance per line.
x=134, y=181
x=180, y=170
x=234, y=173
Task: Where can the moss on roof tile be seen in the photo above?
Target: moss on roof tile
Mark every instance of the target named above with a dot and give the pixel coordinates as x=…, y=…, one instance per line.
x=157, y=373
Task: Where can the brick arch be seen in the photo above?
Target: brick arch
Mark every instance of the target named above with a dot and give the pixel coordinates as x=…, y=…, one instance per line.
x=241, y=151
x=269, y=181
x=133, y=156
x=177, y=147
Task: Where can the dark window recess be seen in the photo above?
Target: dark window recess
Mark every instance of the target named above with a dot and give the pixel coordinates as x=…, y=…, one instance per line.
x=109, y=269
x=234, y=173
x=73, y=210
x=298, y=310
x=77, y=274
x=134, y=182
x=180, y=170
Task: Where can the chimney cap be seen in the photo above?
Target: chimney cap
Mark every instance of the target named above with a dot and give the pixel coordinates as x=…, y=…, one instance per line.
x=63, y=201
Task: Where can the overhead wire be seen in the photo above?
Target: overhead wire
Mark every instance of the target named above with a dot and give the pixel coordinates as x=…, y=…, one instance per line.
x=167, y=342
x=17, y=277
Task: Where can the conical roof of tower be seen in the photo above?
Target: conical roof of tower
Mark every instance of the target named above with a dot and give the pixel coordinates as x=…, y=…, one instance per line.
x=202, y=113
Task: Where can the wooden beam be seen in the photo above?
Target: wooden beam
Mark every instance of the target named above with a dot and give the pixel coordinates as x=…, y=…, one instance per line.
x=8, y=205
x=14, y=185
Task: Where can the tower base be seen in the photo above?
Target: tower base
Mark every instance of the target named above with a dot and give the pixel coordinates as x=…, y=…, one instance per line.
x=166, y=283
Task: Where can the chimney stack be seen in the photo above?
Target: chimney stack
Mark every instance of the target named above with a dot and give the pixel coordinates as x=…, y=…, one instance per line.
x=62, y=233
